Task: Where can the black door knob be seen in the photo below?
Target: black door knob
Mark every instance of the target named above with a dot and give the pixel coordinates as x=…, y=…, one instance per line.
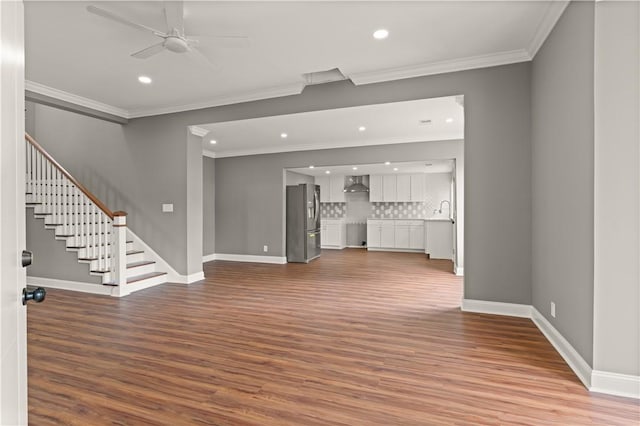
x=36, y=295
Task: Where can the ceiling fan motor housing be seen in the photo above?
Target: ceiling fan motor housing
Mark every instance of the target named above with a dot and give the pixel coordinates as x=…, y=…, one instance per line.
x=176, y=44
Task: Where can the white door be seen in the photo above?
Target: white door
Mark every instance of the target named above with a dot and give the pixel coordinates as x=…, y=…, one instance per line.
x=387, y=235
x=13, y=331
x=375, y=188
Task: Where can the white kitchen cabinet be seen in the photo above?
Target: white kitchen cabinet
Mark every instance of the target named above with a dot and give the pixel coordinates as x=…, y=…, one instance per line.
x=389, y=189
x=336, y=189
x=418, y=182
x=439, y=239
x=416, y=236
x=373, y=233
x=331, y=188
x=387, y=234
x=401, y=236
x=403, y=188
x=375, y=188
x=333, y=234
x=323, y=181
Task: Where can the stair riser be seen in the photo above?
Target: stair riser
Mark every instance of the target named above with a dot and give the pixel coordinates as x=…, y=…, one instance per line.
x=146, y=283
x=141, y=270
x=131, y=258
x=88, y=252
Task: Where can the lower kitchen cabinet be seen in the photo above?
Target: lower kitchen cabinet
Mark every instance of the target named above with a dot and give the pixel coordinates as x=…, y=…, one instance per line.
x=395, y=234
x=333, y=234
x=439, y=239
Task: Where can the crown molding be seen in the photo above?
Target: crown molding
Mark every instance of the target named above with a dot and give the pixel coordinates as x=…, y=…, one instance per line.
x=472, y=62
x=210, y=154
x=553, y=13
x=198, y=131
x=75, y=99
x=256, y=95
x=318, y=146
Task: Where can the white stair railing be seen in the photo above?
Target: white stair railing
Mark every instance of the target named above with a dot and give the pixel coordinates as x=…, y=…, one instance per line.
x=77, y=214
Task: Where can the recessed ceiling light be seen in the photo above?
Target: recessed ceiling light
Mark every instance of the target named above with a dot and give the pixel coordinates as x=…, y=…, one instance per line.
x=354, y=168
x=327, y=172
x=144, y=79
x=395, y=169
x=386, y=163
x=311, y=167
x=362, y=128
x=213, y=141
x=381, y=34
x=283, y=135
x=449, y=120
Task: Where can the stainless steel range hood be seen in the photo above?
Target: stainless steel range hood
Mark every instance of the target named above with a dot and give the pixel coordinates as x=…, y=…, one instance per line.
x=356, y=184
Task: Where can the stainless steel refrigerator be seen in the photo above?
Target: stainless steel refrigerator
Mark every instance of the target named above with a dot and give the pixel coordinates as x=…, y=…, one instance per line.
x=303, y=222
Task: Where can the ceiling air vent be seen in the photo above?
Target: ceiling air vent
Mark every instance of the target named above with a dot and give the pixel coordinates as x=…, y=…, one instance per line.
x=424, y=122
x=321, y=77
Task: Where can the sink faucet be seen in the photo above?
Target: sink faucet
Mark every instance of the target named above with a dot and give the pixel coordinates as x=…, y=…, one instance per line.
x=441, y=203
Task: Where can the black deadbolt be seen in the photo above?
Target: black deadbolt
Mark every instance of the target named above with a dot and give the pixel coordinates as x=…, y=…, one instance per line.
x=27, y=258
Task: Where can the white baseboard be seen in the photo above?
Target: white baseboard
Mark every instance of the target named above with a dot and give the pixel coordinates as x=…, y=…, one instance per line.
x=615, y=384
x=172, y=275
x=358, y=246
x=459, y=271
x=92, y=288
x=208, y=258
x=563, y=347
x=496, y=308
x=251, y=258
x=594, y=380
x=188, y=279
x=396, y=250
x=332, y=247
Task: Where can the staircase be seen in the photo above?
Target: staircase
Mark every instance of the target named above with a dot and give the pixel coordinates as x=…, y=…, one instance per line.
x=95, y=233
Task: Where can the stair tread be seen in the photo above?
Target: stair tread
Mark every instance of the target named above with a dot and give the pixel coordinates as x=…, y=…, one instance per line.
x=144, y=277
x=85, y=246
x=141, y=263
x=129, y=253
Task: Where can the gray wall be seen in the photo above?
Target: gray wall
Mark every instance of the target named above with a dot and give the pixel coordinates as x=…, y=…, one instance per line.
x=250, y=200
x=497, y=181
x=293, y=178
x=50, y=256
x=208, y=203
x=141, y=165
x=134, y=168
x=562, y=177
x=617, y=197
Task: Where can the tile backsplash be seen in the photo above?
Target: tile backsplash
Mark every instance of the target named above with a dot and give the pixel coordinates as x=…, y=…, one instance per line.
x=333, y=210
x=398, y=210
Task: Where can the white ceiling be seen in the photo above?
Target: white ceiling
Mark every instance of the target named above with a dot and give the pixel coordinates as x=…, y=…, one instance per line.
x=426, y=166
x=397, y=122
x=77, y=56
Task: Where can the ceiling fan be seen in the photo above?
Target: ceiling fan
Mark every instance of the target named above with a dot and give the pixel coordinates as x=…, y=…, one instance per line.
x=174, y=39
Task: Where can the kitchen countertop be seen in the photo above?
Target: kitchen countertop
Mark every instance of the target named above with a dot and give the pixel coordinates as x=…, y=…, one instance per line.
x=428, y=219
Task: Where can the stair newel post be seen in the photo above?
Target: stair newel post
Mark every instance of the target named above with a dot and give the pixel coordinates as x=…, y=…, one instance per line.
x=119, y=252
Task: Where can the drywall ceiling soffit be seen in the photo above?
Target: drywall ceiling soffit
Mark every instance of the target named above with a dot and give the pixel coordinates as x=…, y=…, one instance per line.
x=471, y=35
x=424, y=120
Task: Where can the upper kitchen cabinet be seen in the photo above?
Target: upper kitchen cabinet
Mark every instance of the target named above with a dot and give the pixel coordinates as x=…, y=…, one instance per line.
x=375, y=188
x=389, y=189
x=397, y=187
x=331, y=188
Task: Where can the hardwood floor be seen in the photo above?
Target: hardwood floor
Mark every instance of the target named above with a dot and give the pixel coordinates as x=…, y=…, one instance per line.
x=354, y=338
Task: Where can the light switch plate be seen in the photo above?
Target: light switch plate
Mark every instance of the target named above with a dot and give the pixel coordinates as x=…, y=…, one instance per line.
x=167, y=208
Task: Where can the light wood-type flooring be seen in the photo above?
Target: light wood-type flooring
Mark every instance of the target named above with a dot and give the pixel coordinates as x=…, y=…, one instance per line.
x=353, y=338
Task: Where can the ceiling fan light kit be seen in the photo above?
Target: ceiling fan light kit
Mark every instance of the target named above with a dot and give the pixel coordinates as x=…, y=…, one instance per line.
x=173, y=39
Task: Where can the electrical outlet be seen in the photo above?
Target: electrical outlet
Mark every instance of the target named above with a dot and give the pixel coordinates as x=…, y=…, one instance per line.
x=553, y=309
x=265, y=249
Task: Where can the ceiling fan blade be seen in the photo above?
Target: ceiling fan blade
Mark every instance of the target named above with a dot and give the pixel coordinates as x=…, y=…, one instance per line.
x=201, y=59
x=149, y=51
x=112, y=16
x=174, y=15
x=222, y=40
